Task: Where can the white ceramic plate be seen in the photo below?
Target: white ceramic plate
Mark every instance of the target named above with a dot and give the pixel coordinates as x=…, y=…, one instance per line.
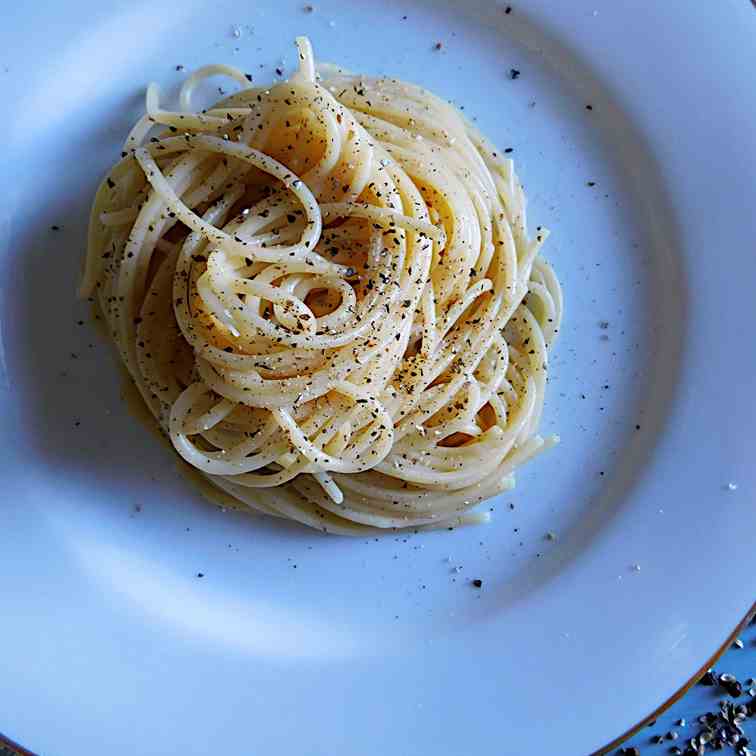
x=297, y=644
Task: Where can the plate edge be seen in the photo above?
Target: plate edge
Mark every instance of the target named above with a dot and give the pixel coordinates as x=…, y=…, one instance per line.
x=683, y=689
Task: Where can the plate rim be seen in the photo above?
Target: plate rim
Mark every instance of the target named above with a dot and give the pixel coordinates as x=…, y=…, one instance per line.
x=683, y=689
x=11, y=748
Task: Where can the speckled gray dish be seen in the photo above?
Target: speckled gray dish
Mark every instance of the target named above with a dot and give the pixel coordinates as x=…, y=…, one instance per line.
x=632, y=126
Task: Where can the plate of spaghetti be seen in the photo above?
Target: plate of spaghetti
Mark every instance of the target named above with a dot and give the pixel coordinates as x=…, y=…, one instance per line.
x=370, y=368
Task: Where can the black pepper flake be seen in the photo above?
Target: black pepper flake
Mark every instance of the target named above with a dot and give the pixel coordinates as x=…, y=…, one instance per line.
x=632, y=751
x=514, y=74
x=200, y=574
x=437, y=46
x=708, y=679
x=509, y=149
x=279, y=72
x=478, y=583
x=248, y=77
x=508, y=10
x=733, y=688
x=590, y=183
x=55, y=228
x=111, y=183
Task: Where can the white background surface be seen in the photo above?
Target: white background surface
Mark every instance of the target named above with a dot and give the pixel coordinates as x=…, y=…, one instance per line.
x=109, y=643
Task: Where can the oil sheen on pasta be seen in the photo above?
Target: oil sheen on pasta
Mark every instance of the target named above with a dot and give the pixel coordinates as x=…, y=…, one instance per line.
x=326, y=294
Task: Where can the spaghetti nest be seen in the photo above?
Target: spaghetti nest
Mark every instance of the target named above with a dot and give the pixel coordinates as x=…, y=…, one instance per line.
x=326, y=294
